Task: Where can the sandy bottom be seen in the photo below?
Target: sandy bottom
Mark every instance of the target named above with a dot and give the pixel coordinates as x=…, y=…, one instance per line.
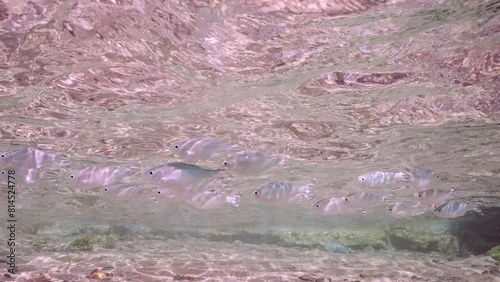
x=201, y=260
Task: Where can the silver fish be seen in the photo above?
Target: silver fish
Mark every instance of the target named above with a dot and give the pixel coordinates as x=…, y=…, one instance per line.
x=181, y=176
x=28, y=175
x=363, y=200
x=434, y=197
x=284, y=193
x=381, y=178
x=200, y=149
x=251, y=163
x=422, y=178
x=121, y=191
x=94, y=176
x=26, y=158
x=211, y=199
x=333, y=206
x=455, y=209
x=406, y=209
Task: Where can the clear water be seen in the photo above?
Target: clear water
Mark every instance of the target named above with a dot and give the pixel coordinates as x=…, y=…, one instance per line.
x=343, y=87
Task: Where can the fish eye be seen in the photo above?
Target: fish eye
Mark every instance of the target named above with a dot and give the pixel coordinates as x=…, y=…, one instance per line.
x=72, y=176
x=105, y=189
x=151, y=172
x=317, y=206
x=420, y=195
x=346, y=199
x=362, y=178
x=390, y=209
x=256, y=192
x=159, y=192
x=3, y=156
x=176, y=146
x=224, y=163
x=439, y=210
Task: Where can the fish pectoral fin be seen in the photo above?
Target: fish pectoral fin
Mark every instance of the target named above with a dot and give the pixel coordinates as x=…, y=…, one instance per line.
x=308, y=191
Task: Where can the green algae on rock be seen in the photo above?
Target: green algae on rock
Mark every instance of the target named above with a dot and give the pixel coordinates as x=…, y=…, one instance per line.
x=407, y=238
x=494, y=253
x=356, y=240
x=40, y=242
x=81, y=244
x=110, y=242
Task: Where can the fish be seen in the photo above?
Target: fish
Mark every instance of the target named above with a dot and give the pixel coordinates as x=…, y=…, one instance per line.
x=94, y=176
x=121, y=191
x=181, y=176
x=363, y=200
x=332, y=206
x=434, y=197
x=211, y=199
x=26, y=158
x=406, y=209
x=201, y=149
x=283, y=193
x=381, y=178
x=28, y=175
x=454, y=209
x=251, y=164
x=421, y=178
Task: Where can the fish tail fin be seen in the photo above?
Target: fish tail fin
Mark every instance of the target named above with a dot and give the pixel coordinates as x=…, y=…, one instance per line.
x=388, y=198
x=234, y=200
x=402, y=176
x=226, y=152
x=284, y=160
x=308, y=190
x=62, y=160
x=225, y=180
x=234, y=148
x=48, y=174
x=132, y=170
x=478, y=210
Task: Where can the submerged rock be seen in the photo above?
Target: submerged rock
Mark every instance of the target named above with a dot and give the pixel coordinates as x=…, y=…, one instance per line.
x=494, y=253
x=312, y=278
x=99, y=274
x=337, y=248
x=40, y=242
x=479, y=233
x=408, y=238
x=110, y=242
x=355, y=240
x=81, y=244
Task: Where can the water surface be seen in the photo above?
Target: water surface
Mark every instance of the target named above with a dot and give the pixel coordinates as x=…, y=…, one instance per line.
x=342, y=87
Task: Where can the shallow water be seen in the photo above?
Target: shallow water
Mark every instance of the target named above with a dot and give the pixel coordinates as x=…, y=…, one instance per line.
x=341, y=88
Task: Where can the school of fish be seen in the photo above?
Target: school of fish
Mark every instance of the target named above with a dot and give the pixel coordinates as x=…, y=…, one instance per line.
x=200, y=188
